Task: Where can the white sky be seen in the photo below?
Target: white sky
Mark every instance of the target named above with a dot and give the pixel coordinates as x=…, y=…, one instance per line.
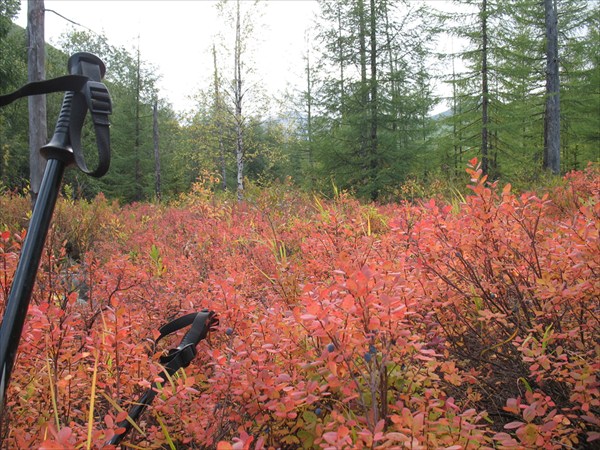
x=176, y=36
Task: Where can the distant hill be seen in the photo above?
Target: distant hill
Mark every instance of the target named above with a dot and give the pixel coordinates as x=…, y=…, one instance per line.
x=442, y=115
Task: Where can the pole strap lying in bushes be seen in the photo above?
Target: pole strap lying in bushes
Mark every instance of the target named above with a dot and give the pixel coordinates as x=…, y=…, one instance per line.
x=181, y=356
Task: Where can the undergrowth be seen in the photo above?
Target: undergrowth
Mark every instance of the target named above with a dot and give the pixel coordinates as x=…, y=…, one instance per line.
x=460, y=321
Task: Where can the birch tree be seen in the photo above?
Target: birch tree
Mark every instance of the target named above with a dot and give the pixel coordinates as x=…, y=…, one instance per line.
x=238, y=97
x=244, y=91
x=218, y=113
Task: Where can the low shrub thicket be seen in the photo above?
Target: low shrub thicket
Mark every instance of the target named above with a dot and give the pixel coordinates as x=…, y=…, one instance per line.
x=417, y=325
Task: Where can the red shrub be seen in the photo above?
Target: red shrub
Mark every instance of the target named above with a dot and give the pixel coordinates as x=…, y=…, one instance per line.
x=342, y=325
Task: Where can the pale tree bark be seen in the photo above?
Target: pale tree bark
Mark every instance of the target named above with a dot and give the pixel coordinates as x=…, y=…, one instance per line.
x=138, y=194
x=552, y=114
x=309, y=106
x=155, y=135
x=219, y=120
x=238, y=98
x=36, y=61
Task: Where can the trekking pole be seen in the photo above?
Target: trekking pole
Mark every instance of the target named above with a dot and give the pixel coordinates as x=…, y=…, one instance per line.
x=200, y=324
x=85, y=92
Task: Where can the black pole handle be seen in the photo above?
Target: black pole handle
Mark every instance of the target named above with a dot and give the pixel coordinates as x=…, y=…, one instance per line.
x=65, y=145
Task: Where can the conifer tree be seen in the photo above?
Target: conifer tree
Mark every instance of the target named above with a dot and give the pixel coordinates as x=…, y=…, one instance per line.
x=520, y=105
x=132, y=85
x=370, y=101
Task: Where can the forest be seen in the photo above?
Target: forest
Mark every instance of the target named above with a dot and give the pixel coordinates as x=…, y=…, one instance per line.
x=362, y=122
x=383, y=277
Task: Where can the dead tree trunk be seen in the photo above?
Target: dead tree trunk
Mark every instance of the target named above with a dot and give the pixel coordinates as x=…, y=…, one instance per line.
x=219, y=120
x=552, y=115
x=238, y=97
x=36, y=61
x=309, y=118
x=485, y=91
x=157, y=183
x=138, y=188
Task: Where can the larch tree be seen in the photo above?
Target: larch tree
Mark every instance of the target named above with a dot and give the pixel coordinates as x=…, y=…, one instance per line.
x=572, y=96
x=580, y=88
x=485, y=90
x=475, y=100
x=540, y=64
x=302, y=155
x=372, y=55
x=132, y=84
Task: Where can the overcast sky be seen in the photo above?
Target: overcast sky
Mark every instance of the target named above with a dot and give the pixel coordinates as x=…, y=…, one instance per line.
x=176, y=37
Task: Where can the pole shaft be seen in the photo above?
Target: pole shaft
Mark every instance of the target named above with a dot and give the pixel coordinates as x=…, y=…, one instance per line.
x=24, y=278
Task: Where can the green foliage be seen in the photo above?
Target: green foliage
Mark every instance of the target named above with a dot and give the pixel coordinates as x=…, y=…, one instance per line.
x=580, y=95
x=369, y=131
x=14, y=157
x=516, y=72
x=132, y=85
x=8, y=72
x=373, y=94
x=14, y=144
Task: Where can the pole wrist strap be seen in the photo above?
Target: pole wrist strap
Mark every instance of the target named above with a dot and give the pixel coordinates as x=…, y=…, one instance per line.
x=88, y=95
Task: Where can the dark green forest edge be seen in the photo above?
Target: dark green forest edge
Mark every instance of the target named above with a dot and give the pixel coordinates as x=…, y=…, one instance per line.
x=362, y=123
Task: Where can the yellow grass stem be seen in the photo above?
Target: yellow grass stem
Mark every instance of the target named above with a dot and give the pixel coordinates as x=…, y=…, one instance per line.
x=494, y=347
x=129, y=445
x=165, y=432
x=92, y=402
x=170, y=380
x=53, y=394
x=128, y=418
x=104, y=327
